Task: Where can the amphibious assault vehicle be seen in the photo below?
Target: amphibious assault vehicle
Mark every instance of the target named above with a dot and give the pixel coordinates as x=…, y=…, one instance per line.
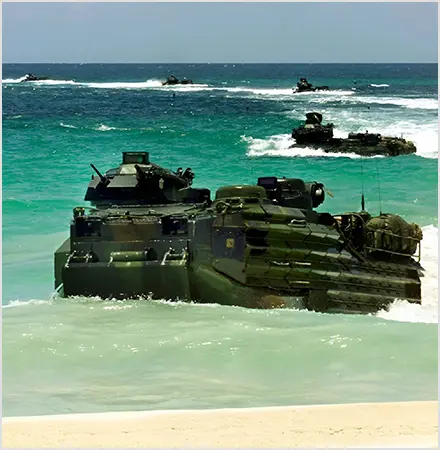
x=150, y=233
x=172, y=80
x=313, y=134
x=32, y=77
x=304, y=86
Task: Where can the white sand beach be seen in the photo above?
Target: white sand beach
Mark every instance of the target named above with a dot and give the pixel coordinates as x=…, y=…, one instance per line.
x=406, y=424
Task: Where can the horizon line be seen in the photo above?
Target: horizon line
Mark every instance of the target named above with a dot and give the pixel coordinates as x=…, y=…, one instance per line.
x=239, y=63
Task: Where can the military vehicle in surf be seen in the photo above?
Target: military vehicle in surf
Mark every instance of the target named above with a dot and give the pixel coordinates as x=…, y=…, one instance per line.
x=172, y=81
x=304, y=86
x=313, y=134
x=32, y=77
x=149, y=233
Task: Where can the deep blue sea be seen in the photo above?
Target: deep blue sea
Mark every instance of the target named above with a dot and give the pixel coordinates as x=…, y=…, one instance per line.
x=232, y=126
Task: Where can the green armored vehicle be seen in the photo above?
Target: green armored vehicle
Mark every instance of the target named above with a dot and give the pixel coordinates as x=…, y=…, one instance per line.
x=150, y=233
x=313, y=134
x=304, y=86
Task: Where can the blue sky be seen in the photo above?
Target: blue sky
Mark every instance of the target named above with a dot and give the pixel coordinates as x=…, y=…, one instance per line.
x=220, y=32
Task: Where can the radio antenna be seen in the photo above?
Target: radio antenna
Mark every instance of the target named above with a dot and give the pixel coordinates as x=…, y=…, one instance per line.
x=362, y=172
x=378, y=187
x=362, y=184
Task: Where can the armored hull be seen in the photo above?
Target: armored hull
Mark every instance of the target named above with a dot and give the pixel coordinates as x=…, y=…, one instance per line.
x=32, y=77
x=304, y=86
x=388, y=146
x=259, y=246
x=172, y=80
x=313, y=134
x=298, y=90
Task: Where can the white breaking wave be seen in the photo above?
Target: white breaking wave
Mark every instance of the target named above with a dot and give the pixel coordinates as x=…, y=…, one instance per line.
x=358, y=99
x=13, y=80
x=189, y=87
x=66, y=125
x=411, y=103
x=427, y=312
x=104, y=127
x=327, y=93
x=284, y=93
x=157, y=84
x=40, y=82
x=148, y=84
x=33, y=302
x=52, y=82
x=426, y=141
x=124, y=85
x=425, y=137
x=259, y=91
x=319, y=97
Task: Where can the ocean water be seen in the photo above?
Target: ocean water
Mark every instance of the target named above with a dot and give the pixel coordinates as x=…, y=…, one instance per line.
x=233, y=125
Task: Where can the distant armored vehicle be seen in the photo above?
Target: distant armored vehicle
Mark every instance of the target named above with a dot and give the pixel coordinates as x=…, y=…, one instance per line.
x=32, y=77
x=172, y=80
x=304, y=86
x=313, y=134
x=150, y=233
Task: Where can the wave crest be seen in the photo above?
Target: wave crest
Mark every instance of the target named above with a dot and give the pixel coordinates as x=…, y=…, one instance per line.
x=427, y=312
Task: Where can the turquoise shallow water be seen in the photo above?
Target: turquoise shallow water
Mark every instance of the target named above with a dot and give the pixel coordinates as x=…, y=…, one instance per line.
x=86, y=355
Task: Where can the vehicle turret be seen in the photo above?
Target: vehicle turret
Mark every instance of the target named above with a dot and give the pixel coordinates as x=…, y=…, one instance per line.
x=313, y=132
x=139, y=181
x=293, y=192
